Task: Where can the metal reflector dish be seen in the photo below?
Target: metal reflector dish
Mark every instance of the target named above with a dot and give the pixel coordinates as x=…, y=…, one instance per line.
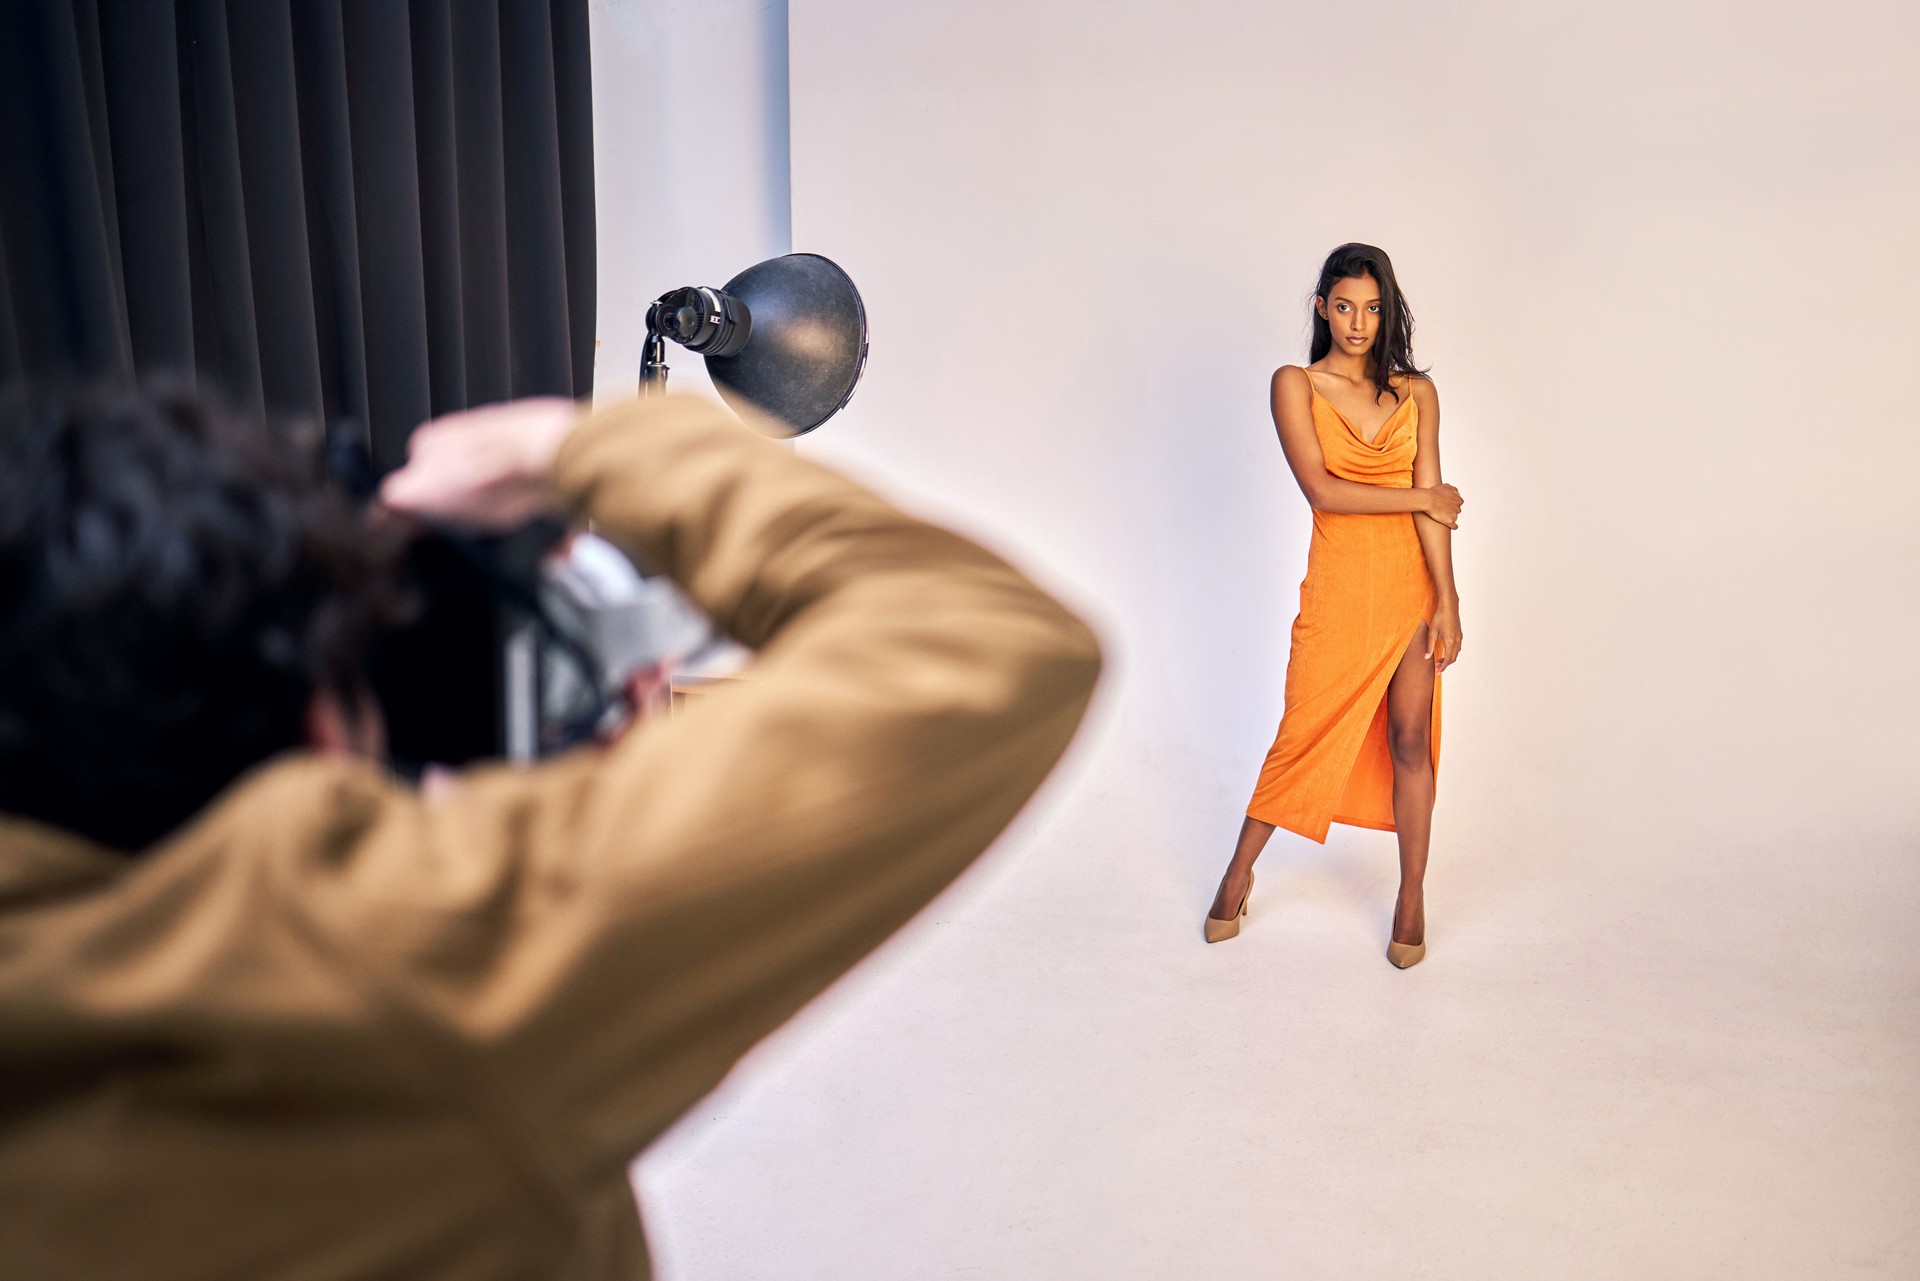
x=808, y=342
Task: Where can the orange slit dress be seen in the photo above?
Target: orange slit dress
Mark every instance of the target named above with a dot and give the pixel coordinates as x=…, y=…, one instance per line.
x=1367, y=589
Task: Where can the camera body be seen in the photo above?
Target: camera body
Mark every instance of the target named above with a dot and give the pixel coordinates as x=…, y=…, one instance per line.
x=519, y=645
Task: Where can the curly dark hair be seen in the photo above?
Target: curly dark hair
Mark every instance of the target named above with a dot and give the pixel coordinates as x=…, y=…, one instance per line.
x=176, y=581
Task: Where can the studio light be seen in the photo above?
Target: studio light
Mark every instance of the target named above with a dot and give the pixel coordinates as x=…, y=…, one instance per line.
x=701, y=319
x=785, y=338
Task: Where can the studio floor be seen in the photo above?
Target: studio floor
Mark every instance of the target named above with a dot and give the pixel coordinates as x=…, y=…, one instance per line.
x=1623, y=1057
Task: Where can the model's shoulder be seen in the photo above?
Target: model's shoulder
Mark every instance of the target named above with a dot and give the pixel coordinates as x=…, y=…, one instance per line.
x=1291, y=374
x=1420, y=387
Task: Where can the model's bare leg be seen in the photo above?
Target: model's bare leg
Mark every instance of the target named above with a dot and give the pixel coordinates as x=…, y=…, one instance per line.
x=1409, y=723
x=1253, y=839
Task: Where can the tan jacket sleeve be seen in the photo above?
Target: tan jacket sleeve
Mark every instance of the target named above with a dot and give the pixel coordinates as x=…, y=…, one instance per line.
x=590, y=944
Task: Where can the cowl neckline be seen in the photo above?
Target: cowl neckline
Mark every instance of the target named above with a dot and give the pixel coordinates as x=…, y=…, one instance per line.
x=1381, y=437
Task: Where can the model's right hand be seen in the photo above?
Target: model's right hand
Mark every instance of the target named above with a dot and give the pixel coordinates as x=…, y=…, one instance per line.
x=484, y=469
x=1443, y=504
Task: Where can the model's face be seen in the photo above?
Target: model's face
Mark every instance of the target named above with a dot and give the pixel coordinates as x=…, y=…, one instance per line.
x=1351, y=309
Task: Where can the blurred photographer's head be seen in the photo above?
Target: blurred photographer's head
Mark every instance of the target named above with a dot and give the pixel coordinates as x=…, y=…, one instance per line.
x=184, y=593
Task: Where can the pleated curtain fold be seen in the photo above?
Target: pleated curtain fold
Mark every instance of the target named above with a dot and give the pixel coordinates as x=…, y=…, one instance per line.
x=369, y=210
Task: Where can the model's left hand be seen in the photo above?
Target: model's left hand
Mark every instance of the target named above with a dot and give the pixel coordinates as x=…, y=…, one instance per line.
x=1443, y=637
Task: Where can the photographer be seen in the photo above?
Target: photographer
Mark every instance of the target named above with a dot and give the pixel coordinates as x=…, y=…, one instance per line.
x=266, y=1011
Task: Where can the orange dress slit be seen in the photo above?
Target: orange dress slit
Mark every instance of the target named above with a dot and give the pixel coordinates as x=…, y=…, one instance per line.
x=1366, y=592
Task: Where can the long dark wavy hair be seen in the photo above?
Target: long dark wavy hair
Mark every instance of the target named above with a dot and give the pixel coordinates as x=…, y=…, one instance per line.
x=1392, y=350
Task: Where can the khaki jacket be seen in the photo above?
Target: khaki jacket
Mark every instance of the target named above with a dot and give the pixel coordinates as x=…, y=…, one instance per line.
x=332, y=1029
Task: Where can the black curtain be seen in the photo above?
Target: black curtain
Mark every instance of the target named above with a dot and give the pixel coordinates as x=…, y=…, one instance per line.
x=365, y=211
x=368, y=209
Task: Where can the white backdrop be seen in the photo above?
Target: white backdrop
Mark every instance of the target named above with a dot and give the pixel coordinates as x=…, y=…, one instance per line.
x=1663, y=259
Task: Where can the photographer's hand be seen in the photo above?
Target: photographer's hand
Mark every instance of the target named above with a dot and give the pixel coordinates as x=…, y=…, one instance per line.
x=484, y=469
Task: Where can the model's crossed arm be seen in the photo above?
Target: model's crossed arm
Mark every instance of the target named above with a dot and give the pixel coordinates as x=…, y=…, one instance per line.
x=1293, y=418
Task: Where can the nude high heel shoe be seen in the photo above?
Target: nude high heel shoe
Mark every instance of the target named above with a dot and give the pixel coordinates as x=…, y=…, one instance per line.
x=1405, y=954
x=1218, y=929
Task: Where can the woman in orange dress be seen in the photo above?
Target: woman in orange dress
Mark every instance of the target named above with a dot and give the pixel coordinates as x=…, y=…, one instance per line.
x=1379, y=620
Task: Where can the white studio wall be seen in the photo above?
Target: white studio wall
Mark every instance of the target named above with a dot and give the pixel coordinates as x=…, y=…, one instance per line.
x=1659, y=255
x=690, y=161
x=1662, y=258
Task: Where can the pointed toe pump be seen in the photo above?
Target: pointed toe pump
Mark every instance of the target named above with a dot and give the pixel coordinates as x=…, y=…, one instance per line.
x=1405, y=954
x=1218, y=929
